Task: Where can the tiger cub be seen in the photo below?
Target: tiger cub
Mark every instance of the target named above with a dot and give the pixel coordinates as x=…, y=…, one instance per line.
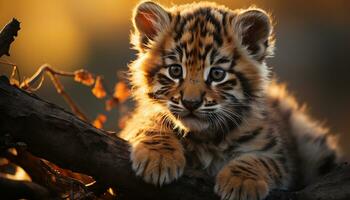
x=206, y=99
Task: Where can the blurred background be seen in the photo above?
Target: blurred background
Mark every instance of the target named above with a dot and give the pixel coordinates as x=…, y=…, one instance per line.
x=312, y=50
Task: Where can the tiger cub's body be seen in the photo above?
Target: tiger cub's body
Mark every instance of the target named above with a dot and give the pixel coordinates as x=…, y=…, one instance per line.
x=205, y=99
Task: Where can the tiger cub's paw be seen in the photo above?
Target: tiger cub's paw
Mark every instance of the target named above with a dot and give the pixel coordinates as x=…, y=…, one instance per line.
x=157, y=163
x=231, y=186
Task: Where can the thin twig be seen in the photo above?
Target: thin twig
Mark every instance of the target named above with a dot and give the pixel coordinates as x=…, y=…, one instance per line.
x=15, y=72
x=52, y=73
x=7, y=63
x=60, y=90
x=40, y=72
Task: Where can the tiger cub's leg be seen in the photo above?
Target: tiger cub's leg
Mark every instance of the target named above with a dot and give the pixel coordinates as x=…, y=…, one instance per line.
x=157, y=157
x=249, y=177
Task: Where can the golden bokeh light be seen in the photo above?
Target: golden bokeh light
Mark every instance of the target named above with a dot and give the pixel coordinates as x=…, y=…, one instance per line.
x=47, y=35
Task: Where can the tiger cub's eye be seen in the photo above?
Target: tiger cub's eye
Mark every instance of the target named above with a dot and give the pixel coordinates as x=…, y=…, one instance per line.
x=217, y=74
x=175, y=71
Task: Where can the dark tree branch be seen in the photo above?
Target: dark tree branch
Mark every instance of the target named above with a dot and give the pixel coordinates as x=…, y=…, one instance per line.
x=60, y=137
x=7, y=36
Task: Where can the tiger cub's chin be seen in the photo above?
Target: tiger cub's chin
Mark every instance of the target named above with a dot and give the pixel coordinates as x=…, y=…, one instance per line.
x=194, y=124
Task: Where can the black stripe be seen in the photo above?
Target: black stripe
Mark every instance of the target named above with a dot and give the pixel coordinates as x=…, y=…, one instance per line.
x=213, y=54
x=246, y=176
x=208, y=109
x=277, y=169
x=249, y=137
x=227, y=87
x=263, y=162
x=274, y=176
x=177, y=19
x=230, y=97
x=168, y=148
x=164, y=80
x=174, y=100
x=212, y=19
x=153, y=71
x=151, y=133
x=246, y=163
x=247, y=88
x=151, y=95
x=181, y=25
x=246, y=170
x=179, y=50
x=217, y=38
x=270, y=144
x=207, y=48
x=175, y=106
x=208, y=18
x=151, y=142
x=171, y=57
x=217, y=32
x=231, y=149
x=282, y=159
x=194, y=25
x=235, y=58
x=224, y=20
x=222, y=60
x=160, y=135
x=231, y=82
x=162, y=91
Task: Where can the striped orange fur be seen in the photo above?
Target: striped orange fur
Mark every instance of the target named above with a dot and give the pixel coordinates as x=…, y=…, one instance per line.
x=206, y=99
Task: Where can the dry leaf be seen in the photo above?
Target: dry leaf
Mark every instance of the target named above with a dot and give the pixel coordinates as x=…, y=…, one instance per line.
x=84, y=77
x=99, y=90
x=121, y=91
x=111, y=103
x=99, y=121
x=8, y=34
x=122, y=121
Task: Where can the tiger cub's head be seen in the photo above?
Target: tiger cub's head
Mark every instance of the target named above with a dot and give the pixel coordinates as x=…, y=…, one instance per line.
x=203, y=63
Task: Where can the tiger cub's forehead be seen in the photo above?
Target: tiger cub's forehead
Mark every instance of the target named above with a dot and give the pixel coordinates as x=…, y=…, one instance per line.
x=200, y=37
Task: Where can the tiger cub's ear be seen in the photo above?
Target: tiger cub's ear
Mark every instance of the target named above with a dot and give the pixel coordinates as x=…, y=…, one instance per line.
x=254, y=31
x=149, y=20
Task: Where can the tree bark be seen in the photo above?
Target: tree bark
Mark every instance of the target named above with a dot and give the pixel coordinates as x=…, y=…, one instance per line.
x=58, y=136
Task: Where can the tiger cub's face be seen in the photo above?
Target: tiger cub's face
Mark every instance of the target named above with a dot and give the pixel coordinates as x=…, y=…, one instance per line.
x=204, y=63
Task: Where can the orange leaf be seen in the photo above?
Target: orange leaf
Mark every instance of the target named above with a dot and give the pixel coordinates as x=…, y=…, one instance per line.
x=122, y=121
x=111, y=103
x=84, y=77
x=99, y=121
x=121, y=91
x=99, y=90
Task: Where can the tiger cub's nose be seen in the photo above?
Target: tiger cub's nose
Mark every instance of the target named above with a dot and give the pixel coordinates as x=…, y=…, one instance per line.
x=191, y=105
